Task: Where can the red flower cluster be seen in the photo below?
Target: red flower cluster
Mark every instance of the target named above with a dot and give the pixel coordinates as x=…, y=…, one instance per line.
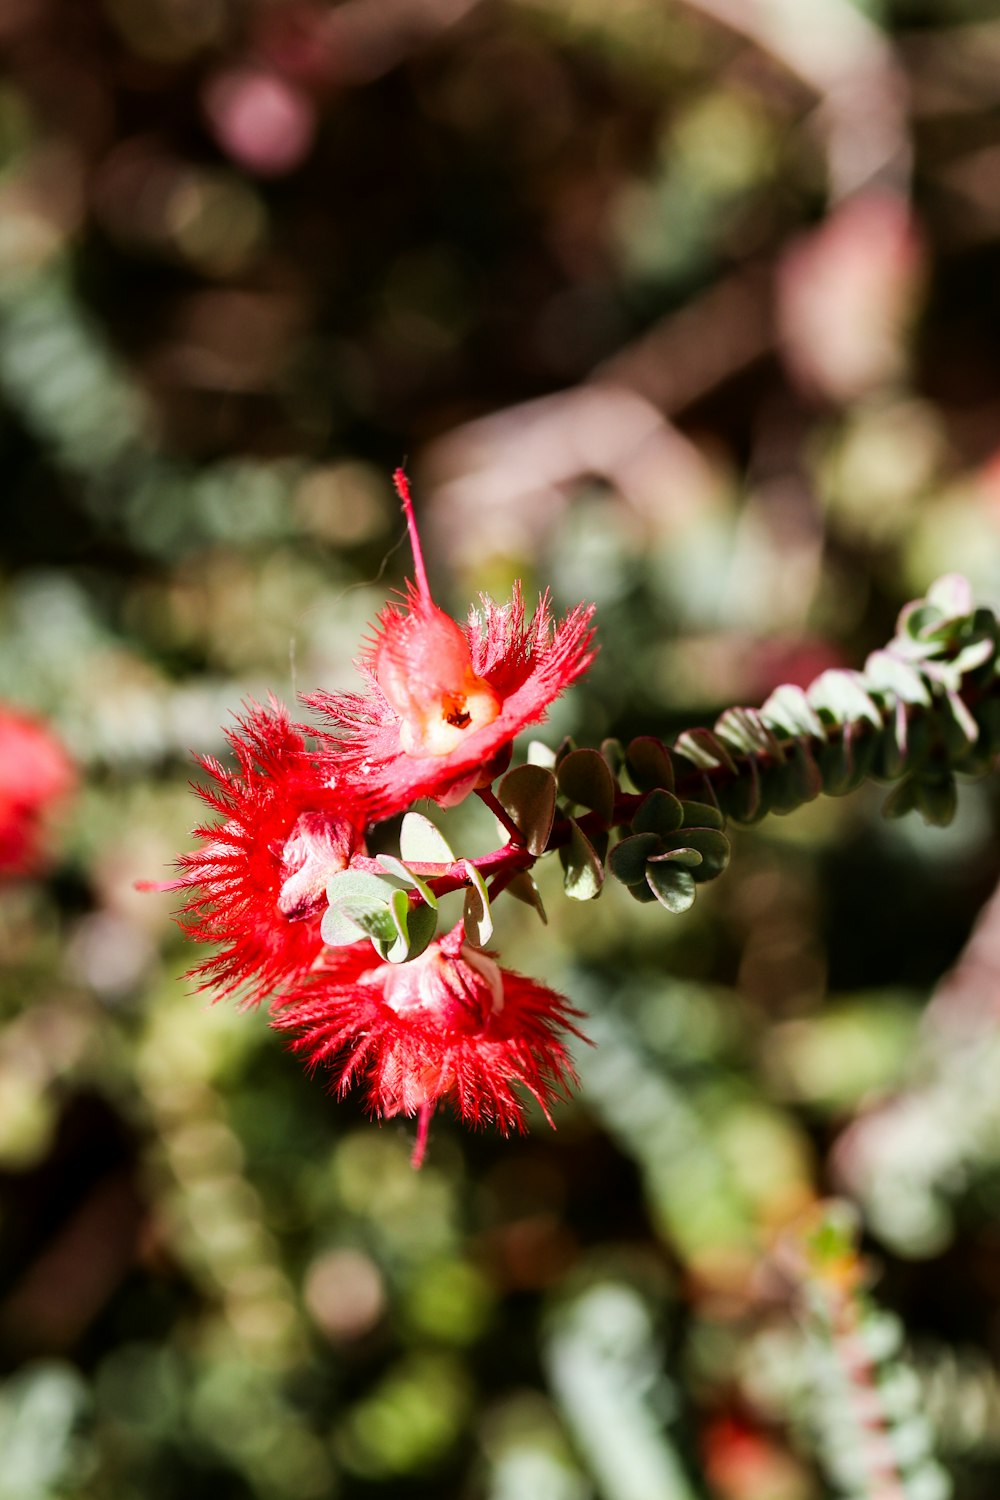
x=35, y=774
x=450, y=1024
x=442, y=707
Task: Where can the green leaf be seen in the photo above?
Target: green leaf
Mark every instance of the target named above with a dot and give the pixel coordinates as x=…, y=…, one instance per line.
x=358, y=886
x=338, y=930
x=584, y=779
x=421, y=843
x=839, y=696
x=701, y=815
x=704, y=750
x=936, y=799
x=583, y=873
x=614, y=756
x=846, y=758
x=974, y=656
x=627, y=860
x=397, y=949
x=789, y=713
x=523, y=888
x=915, y=619
x=958, y=725
x=886, y=672
x=396, y=870
x=952, y=595
x=711, y=846
x=415, y=927
x=541, y=754
x=379, y=925
x=741, y=798
x=643, y=892
x=477, y=915
x=789, y=786
x=682, y=856
x=528, y=793
x=744, y=729
x=890, y=760
x=359, y=907
x=901, y=800
x=649, y=764
x=673, y=888
x=661, y=812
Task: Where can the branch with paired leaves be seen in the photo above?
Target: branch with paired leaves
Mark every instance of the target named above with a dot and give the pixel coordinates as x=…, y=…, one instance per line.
x=862, y=1399
x=923, y=711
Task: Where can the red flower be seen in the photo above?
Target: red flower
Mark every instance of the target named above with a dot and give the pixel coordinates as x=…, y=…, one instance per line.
x=446, y=700
x=450, y=1025
x=35, y=773
x=258, y=883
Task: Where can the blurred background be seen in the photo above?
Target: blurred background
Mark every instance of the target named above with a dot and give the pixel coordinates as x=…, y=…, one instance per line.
x=689, y=307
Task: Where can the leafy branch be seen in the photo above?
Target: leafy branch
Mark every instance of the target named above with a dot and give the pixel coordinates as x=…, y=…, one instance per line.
x=863, y=1398
x=924, y=709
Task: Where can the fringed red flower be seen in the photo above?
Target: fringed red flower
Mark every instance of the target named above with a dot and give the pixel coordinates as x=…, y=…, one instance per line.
x=450, y=1026
x=35, y=774
x=446, y=701
x=257, y=884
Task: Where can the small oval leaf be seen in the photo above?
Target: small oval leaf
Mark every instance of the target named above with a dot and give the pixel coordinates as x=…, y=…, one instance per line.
x=839, y=696
x=627, y=860
x=649, y=764
x=409, y=880
x=705, y=750
x=358, y=886
x=952, y=595
x=936, y=800
x=673, y=888
x=661, y=812
x=338, y=930
x=789, y=713
x=528, y=794
x=583, y=873
x=584, y=778
x=523, y=888
x=477, y=917
x=741, y=798
x=744, y=730
x=421, y=843
x=683, y=856
x=614, y=755
x=887, y=673
x=414, y=929
x=701, y=815
x=711, y=846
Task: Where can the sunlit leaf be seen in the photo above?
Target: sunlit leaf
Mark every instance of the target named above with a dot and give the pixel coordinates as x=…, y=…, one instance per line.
x=673, y=888
x=421, y=843
x=477, y=915
x=398, y=871
x=583, y=873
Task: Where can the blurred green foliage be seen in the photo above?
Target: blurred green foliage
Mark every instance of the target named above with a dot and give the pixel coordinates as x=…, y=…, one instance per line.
x=658, y=323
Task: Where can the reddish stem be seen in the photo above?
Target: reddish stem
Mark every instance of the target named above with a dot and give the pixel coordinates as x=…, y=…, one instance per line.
x=402, y=484
x=489, y=798
x=423, y=1128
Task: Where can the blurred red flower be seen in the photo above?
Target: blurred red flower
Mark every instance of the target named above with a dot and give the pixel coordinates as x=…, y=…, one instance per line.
x=35, y=774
